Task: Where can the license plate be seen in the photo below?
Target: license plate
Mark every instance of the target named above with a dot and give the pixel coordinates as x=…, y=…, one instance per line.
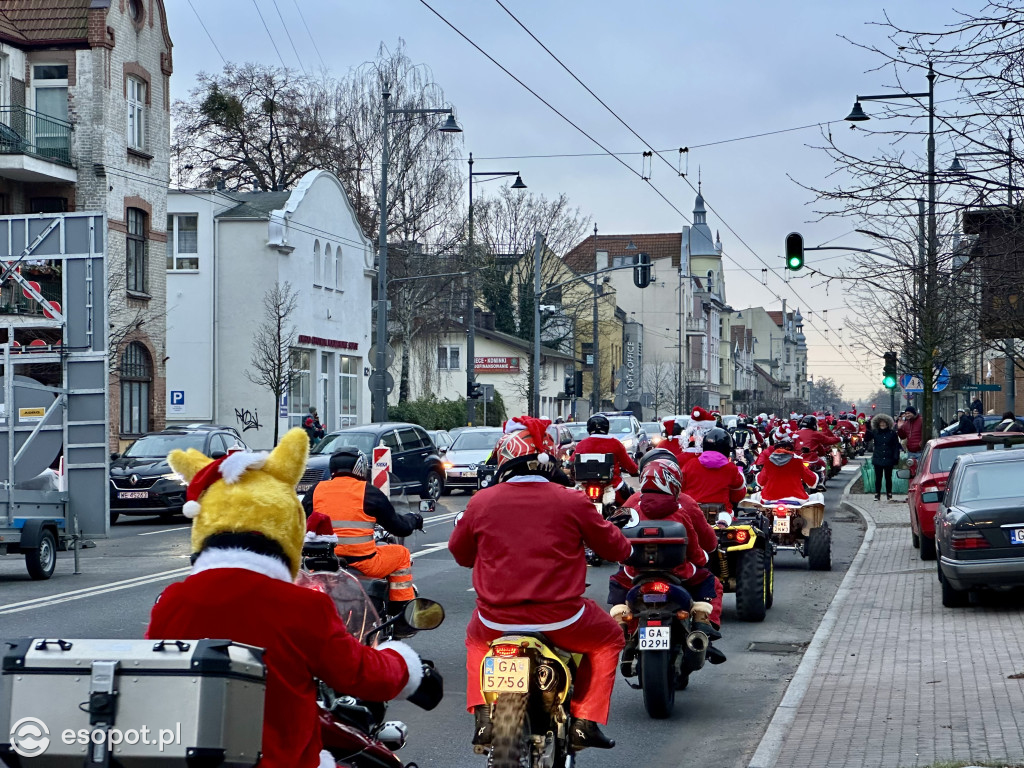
x=133, y=495
x=781, y=525
x=506, y=675
x=1017, y=535
x=301, y=489
x=655, y=638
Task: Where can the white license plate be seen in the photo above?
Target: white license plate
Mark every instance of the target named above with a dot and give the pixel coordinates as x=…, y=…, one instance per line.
x=506, y=675
x=301, y=489
x=1017, y=535
x=655, y=638
x=781, y=525
x=133, y=495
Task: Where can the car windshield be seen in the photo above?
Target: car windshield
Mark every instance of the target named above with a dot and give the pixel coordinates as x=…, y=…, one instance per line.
x=651, y=428
x=620, y=425
x=363, y=441
x=475, y=441
x=990, y=482
x=579, y=431
x=943, y=458
x=158, y=446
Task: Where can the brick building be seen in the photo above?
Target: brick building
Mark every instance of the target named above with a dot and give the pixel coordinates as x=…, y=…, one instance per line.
x=85, y=126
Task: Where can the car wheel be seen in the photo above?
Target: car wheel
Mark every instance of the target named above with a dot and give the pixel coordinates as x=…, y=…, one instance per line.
x=915, y=539
x=927, y=548
x=433, y=486
x=41, y=561
x=952, y=598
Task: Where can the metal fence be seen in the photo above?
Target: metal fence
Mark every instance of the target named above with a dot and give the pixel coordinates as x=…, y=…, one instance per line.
x=27, y=132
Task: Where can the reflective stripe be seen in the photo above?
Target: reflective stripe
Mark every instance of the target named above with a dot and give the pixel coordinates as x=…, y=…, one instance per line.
x=353, y=524
x=356, y=539
x=532, y=627
x=341, y=499
x=402, y=572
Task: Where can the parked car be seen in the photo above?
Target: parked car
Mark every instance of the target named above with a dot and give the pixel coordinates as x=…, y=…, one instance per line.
x=416, y=465
x=928, y=482
x=625, y=426
x=578, y=429
x=979, y=526
x=991, y=422
x=441, y=438
x=471, y=448
x=142, y=483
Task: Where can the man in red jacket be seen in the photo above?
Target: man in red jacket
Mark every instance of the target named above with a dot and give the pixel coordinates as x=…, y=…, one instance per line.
x=911, y=428
x=809, y=437
x=599, y=441
x=713, y=478
x=524, y=538
x=247, y=535
x=784, y=475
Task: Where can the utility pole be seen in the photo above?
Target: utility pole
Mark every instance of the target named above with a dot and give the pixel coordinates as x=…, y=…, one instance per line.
x=538, y=242
x=595, y=368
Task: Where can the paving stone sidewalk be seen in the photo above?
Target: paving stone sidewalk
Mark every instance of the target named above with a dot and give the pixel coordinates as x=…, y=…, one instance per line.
x=902, y=681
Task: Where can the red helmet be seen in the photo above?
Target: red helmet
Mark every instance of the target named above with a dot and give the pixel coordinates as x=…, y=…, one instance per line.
x=661, y=475
x=525, y=436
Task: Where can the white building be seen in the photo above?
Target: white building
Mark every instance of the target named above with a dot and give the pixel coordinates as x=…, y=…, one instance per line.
x=224, y=251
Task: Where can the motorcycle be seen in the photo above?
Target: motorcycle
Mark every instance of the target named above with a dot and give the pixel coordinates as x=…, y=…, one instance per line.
x=355, y=732
x=818, y=466
x=799, y=526
x=663, y=647
x=594, y=474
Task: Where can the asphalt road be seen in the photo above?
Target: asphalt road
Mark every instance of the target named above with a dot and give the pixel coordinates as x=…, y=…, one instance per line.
x=718, y=720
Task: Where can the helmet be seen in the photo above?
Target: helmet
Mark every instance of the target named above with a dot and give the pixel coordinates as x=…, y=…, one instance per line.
x=808, y=422
x=718, y=439
x=598, y=424
x=663, y=476
x=762, y=417
x=518, y=452
x=742, y=423
x=348, y=461
x=658, y=453
x=785, y=443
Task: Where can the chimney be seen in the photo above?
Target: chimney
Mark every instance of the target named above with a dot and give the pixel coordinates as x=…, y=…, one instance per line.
x=485, y=320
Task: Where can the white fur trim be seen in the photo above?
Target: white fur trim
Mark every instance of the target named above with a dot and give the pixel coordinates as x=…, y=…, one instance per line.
x=513, y=426
x=327, y=760
x=412, y=663
x=235, y=557
x=543, y=458
x=236, y=464
x=191, y=509
x=310, y=536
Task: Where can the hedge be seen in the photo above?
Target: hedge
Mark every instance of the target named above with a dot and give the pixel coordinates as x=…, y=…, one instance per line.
x=431, y=413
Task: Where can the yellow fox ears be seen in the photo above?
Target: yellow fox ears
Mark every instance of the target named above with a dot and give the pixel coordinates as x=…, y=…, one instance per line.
x=287, y=462
x=187, y=463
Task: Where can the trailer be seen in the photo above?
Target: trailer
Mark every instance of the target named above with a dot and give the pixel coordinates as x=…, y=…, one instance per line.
x=54, y=414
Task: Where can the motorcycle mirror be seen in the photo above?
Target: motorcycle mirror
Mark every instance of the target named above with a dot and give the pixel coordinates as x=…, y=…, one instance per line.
x=427, y=506
x=422, y=613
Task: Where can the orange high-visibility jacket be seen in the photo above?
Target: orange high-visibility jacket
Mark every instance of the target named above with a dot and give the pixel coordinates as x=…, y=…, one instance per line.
x=341, y=499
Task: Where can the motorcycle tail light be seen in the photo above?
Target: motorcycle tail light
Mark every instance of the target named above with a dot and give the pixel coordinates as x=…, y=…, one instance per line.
x=654, y=586
x=807, y=463
x=969, y=540
x=505, y=650
x=781, y=511
x=593, y=492
x=742, y=537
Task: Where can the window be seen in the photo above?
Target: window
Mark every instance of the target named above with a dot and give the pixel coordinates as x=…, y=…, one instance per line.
x=325, y=385
x=412, y=439
x=316, y=262
x=136, y=90
x=183, y=241
x=136, y=386
x=348, y=391
x=135, y=11
x=50, y=100
x=448, y=358
x=48, y=205
x=135, y=248
x=299, y=387
x=390, y=440
x=328, y=267
x=337, y=268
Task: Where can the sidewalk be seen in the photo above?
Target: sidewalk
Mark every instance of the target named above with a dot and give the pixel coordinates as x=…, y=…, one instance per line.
x=893, y=679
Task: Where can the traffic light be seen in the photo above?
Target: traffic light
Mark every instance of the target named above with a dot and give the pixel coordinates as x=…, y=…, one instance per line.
x=570, y=386
x=889, y=372
x=794, y=251
x=474, y=391
x=642, y=270
x=579, y=383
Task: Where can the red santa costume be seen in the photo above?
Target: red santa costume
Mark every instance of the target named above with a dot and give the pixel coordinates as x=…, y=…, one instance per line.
x=524, y=539
x=247, y=537
x=784, y=476
x=714, y=479
x=604, y=444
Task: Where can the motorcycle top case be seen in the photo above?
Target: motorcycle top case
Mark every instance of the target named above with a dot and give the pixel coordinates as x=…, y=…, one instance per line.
x=657, y=544
x=593, y=466
x=190, y=703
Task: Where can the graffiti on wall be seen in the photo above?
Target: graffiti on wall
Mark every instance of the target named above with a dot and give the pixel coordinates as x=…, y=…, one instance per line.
x=248, y=419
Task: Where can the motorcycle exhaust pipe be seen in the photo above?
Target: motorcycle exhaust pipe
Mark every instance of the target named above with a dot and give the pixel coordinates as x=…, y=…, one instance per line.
x=696, y=650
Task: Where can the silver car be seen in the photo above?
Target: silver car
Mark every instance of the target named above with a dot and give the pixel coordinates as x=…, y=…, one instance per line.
x=472, y=446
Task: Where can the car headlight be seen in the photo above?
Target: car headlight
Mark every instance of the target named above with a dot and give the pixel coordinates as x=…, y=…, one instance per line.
x=447, y=465
x=175, y=476
x=628, y=442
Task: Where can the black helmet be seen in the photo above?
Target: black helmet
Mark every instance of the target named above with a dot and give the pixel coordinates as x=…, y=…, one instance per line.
x=718, y=439
x=808, y=422
x=657, y=453
x=348, y=461
x=742, y=423
x=598, y=425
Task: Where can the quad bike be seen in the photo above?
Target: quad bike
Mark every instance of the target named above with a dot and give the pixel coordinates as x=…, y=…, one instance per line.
x=797, y=525
x=745, y=559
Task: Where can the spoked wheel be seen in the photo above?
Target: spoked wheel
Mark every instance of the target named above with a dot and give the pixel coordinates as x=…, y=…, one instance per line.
x=656, y=680
x=510, y=743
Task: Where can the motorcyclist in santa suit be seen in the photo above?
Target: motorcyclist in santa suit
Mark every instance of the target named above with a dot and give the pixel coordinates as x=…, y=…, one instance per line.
x=713, y=478
x=599, y=441
x=809, y=437
x=784, y=475
x=524, y=538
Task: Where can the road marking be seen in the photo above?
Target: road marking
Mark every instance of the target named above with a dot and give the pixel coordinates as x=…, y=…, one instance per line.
x=849, y=468
x=430, y=549
x=99, y=589
x=438, y=519
x=164, y=530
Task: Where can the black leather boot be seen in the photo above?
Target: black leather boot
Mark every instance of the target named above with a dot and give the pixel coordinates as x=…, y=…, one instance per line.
x=482, y=725
x=585, y=733
x=707, y=629
x=714, y=656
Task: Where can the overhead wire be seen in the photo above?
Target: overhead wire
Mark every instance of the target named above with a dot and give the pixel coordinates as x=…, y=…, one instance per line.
x=272, y=41
x=311, y=39
x=288, y=34
x=212, y=41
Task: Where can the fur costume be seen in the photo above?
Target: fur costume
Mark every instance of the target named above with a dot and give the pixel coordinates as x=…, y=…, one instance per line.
x=701, y=422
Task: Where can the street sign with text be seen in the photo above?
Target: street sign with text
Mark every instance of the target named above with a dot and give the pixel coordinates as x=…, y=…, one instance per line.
x=983, y=388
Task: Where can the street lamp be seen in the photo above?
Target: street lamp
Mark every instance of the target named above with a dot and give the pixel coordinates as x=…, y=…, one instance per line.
x=379, y=384
x=471, y=292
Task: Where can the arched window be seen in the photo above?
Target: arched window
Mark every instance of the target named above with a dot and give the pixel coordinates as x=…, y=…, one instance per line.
x=328, y=267
x=316, y=262
x=136, y=389
x=711, y=281
x=337, y=268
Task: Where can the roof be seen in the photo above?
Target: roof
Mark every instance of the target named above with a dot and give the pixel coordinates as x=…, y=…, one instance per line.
x=662, y=245
x=776, y=317
x=986, y=457
x=47, y=21
x=514, y=341
x=254, y=205
x=768, y=377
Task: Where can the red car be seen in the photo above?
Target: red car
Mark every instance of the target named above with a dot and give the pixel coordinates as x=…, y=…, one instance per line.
x=929, y=482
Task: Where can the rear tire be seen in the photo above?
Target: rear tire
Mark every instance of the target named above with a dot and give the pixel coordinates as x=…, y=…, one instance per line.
x=510, y=742
x=750, y=586
x=952, y=598
x=915, y=540
x=40, y=562
x=769, y=581
x=927, y=548
x=656, y=680
x=819, y=548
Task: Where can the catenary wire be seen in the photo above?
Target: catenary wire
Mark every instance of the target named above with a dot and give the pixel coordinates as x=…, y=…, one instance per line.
x=272, y=41
x=311, y=39
x=288, y=34
x=212, y=41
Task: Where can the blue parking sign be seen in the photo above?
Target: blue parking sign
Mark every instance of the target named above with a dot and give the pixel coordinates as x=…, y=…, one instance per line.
x=177, y=397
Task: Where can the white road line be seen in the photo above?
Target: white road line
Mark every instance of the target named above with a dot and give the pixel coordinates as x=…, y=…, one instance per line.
x=430, y=549
x=165, y=530
x=99, y=589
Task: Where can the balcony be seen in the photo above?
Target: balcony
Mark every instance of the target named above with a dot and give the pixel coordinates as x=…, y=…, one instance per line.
x=696, y=325
x=35, y=147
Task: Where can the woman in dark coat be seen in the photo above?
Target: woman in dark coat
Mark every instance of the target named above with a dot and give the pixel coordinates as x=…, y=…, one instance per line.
x=966, y=424
x=886, y=453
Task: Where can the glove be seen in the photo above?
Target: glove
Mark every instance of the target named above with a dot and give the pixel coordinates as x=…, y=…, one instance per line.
x=418, y=525
x=431, y=689
x=620, y=519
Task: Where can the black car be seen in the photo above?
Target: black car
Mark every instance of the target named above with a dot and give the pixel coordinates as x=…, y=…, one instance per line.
x=991, y=422
x=416, y=467
x=979, y=524
x=141, y=480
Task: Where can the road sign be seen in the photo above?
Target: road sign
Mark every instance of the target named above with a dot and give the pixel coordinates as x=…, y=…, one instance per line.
x=983, y=388
x=488, y=393
x=912, y=382
x=177, y=404
x=620, y=402
x=389, y=381
x=389, y=355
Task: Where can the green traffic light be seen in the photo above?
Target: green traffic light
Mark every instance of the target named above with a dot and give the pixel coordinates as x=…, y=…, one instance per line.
x=794, y=262
x=889, y=382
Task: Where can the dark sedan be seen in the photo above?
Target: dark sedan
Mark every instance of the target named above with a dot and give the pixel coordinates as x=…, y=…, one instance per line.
x=979, y=525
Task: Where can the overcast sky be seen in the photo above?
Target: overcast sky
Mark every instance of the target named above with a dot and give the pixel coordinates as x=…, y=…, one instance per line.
x=681, y=74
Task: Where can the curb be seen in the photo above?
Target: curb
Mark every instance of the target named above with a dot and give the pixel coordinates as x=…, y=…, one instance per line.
x=767, y=753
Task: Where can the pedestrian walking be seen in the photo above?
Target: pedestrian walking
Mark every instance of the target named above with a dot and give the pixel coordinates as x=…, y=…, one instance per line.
x=911, y=429
x=886, y=453
x=979, y=420
x=1009, y=423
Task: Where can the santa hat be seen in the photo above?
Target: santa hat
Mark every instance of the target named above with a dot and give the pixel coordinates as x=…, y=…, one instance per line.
x=700, y=414
x=227, y=468
x=701, y=422
x=319, y=527
x=668, y=425
x=540, y=431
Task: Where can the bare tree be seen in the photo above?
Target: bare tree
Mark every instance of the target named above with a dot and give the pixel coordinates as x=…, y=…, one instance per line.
x=826, y=395
x=272, y=344
x=659, y=381
x=127, y=317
